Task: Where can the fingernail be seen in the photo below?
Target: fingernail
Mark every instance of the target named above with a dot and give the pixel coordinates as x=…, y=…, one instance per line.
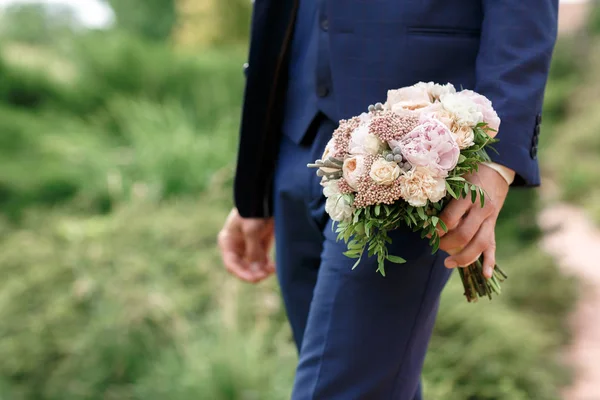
x=450, y=263
x=488, y=272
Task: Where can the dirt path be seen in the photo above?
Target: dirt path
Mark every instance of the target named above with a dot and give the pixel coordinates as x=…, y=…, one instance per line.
x=575, y=242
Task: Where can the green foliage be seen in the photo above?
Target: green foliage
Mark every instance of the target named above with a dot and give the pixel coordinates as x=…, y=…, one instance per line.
x=37, y=23
x=149, y=19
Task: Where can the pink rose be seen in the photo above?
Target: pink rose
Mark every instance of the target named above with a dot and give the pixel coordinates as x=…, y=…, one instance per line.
x=353, y=170
x=485, y=107
x=431, y=145
x=407, y=98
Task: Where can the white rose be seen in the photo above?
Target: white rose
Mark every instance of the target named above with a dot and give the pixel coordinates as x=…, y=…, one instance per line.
x=338, y=207
x=419, y=185
x=407, y=98
x=465, y=137
x=384, y=172
x=362, y=142
x=353, y=169
x=331, y=188
x=435, y=90
x=464, y=110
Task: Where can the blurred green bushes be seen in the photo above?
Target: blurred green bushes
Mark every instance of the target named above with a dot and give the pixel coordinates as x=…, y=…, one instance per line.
x=115, y=178
x=573, y=143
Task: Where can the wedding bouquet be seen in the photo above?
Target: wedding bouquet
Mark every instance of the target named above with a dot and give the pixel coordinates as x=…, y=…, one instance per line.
x=401, y=163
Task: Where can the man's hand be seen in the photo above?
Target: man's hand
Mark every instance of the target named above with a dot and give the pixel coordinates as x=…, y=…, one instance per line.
x=470, y=227
x=245, y=245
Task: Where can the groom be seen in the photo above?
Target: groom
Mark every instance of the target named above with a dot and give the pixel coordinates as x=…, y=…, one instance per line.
x=314, y=62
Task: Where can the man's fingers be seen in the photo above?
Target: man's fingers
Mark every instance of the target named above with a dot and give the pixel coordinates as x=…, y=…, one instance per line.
x=237, y=267
x=453, y=213
x=461, y=236
x=482, y=242
x=489, y=261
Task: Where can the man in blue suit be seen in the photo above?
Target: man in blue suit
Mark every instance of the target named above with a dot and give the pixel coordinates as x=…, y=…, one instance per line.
x=314, y=62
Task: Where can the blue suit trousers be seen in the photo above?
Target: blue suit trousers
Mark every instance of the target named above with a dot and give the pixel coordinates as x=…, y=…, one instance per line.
x=360, y=336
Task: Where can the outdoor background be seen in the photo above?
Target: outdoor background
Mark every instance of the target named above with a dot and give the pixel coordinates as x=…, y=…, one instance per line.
x=117, y=149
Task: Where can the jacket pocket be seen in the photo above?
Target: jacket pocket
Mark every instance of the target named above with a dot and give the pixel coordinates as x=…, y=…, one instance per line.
x=443, y=31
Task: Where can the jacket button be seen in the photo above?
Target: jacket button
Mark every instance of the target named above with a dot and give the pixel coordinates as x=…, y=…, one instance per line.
x=533, y=152
x=322, y=91
x=325, y=24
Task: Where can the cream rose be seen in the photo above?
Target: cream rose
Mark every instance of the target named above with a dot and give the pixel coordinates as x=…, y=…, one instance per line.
x=421, y=184
x=384, y=172
x=353, y=169
x=407, y=98
x=464, y=136
x=338, y=207
x=362, y=142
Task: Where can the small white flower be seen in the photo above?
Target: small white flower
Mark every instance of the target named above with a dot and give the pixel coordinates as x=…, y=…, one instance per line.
x=331, y=188
x=464, y=110
x=338, y=207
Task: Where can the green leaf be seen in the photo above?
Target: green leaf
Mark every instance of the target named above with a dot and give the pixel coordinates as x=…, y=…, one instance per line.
x=434, y=221
x=443, y=226
x=466, y=190
x=352, y=253
x=421, y=213
x=412, y=218
x=377, y=210
x=450, y=190
x=356, y=263
x=461, y=159
x=473, y=194
x=395, y=259
x=482, y=198
x=436, y=245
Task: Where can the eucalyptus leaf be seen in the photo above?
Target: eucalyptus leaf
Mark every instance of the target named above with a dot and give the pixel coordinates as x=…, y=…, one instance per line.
x=395, y=259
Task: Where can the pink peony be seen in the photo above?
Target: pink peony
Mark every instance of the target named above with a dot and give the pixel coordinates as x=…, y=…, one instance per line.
x=431, y=145
x=485, y=107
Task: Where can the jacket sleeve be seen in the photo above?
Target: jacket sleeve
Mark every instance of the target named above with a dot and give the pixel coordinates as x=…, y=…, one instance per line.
x=517, y=40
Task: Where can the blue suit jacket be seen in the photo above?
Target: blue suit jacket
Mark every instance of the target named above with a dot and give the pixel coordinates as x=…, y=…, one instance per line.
x=499, y=48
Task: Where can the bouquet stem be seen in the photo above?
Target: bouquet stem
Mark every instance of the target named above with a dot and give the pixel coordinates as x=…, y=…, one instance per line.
x=476, y=285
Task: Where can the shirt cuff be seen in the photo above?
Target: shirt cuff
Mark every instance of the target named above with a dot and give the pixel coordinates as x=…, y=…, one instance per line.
x=507, y=173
